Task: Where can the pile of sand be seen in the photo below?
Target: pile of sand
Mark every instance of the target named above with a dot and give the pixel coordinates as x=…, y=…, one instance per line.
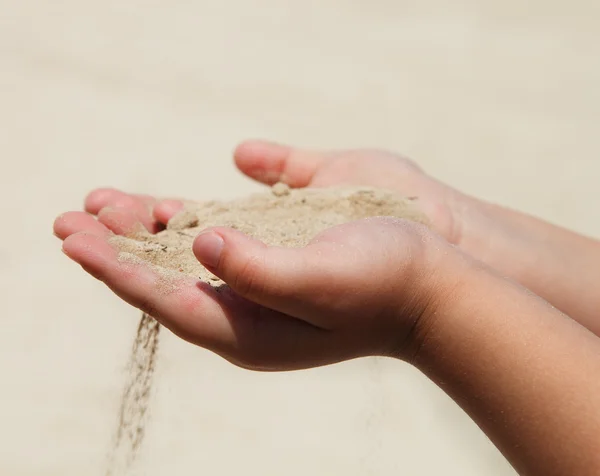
x=281, y=217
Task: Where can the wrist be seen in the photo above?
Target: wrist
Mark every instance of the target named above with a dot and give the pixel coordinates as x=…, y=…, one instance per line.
x=488, y=233
x=446, y=278
x=517, y=366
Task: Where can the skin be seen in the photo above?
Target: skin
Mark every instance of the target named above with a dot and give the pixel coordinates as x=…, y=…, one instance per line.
x=556, y=264
x=532, y=371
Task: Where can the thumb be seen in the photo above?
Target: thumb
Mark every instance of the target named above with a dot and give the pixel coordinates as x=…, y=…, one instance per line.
x=270, y=163
x=288, y=280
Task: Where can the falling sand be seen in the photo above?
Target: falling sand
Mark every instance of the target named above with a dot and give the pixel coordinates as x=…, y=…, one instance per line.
x=281, y=217
x=136, y=397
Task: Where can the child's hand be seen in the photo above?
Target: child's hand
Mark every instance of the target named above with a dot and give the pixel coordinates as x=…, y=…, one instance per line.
x=270, y=163
x=364, y=288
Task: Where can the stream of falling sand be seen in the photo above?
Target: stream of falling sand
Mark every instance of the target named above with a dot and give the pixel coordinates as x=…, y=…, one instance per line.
x=133, y=411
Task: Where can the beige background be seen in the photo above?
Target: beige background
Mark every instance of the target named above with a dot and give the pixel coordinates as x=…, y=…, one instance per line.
x=500, y=99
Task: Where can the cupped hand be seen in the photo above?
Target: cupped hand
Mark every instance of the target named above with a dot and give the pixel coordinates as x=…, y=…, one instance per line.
x=283, y=308
x=269, y=163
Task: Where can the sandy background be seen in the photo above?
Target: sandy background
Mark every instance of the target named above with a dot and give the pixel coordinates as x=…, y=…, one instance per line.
x=498, y=98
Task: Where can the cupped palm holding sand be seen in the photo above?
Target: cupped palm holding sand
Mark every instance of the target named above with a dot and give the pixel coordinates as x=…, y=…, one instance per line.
x=384, y=286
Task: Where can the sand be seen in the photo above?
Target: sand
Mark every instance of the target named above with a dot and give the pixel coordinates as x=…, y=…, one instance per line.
x=280, y=217
x=133, y=411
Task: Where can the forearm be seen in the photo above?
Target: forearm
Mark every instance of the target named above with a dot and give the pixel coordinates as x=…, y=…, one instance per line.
x=527, y=374
x=556, y=264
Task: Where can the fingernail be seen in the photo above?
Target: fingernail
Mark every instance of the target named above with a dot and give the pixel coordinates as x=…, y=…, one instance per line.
x=209, y=247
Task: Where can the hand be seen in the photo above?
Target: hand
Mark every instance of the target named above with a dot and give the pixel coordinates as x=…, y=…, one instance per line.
x=270, y=163
x=285, y=308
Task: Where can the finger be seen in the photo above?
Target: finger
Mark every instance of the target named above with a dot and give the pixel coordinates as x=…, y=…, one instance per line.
x=270, y=163
x=167, y=209
x=106, y=197
x=141, y=205
x=286, y=279
x=75, y=222
x=121, y=221
x=99, y=198
x=242, y=332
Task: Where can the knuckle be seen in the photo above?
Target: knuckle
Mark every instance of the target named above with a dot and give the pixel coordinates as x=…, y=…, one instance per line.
x=125, y=201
